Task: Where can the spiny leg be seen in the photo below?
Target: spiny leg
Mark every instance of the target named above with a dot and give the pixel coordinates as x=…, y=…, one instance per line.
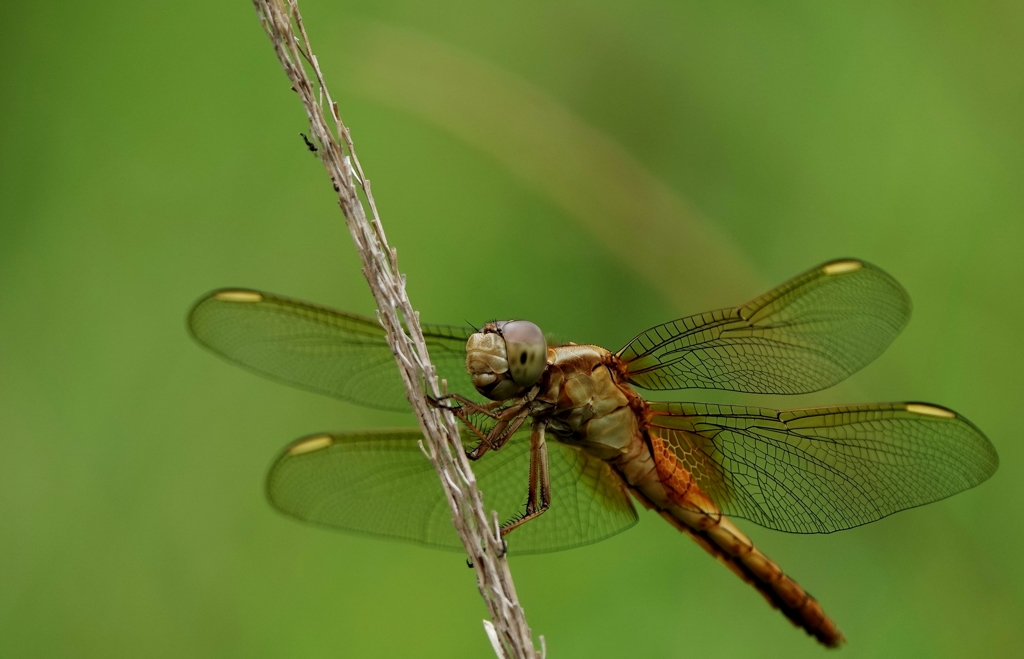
x=509, y=420
x=463, y=412
x=463, y=403
x=539, y=498
x=508, y=423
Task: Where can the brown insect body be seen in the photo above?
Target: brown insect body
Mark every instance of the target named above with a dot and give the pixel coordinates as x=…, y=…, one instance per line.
x=802, y=470
x=585, y=402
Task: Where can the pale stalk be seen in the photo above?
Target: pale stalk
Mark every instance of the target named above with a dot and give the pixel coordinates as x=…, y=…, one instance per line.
x=507, y=629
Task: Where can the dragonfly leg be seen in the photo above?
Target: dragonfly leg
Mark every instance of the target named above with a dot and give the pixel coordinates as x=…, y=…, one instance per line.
x=508, y=423
x=539, y=498
x=463, y=411
x=464, y=403
x=480, y=435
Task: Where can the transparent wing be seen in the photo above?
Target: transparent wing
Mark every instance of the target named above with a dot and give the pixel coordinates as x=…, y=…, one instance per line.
x=825, y=469
x=808, y=334
x=330, y=352
x=380, y=483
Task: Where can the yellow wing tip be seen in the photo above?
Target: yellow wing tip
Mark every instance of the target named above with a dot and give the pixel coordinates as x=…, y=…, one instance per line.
x=238, y=296
x=842, y=267
x=310, y=444
x=930, y=410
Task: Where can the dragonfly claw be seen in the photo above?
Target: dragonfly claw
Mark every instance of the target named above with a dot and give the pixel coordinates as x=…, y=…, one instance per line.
x=441, y=403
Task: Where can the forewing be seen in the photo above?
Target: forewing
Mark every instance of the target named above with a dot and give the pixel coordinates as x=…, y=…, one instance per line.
x=380, y=483
x=825, y=469
x=327, y=351
x=808, y=334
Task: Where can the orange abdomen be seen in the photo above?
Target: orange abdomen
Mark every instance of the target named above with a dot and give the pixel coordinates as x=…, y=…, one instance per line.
x=694, y=513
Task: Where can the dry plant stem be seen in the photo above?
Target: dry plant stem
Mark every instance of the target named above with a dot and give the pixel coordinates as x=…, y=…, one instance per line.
x=510, y=634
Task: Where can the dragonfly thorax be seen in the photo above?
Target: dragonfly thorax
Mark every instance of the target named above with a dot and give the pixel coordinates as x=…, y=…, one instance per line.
x=506, y=358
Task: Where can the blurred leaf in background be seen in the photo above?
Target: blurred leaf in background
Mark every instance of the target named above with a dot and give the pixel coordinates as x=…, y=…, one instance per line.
x=597, y=167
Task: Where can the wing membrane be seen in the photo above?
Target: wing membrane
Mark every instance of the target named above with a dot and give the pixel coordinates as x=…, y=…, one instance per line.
x=820, y=470
x=330, y=352
x=808, y=334
x=380, y=483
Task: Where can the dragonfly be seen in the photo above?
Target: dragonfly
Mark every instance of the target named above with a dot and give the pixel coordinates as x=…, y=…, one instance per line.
x=562, y=443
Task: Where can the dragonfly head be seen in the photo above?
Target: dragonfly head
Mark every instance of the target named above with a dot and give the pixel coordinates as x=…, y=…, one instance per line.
x=506, y=358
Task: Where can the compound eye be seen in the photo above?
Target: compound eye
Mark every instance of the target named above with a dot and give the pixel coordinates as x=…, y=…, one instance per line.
x=527, y=351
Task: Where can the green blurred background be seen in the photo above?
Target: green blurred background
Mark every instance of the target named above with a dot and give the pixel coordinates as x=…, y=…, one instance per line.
x=597, y=167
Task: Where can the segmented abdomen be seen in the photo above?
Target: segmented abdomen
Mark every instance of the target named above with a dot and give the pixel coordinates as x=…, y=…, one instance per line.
x=681, y=501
